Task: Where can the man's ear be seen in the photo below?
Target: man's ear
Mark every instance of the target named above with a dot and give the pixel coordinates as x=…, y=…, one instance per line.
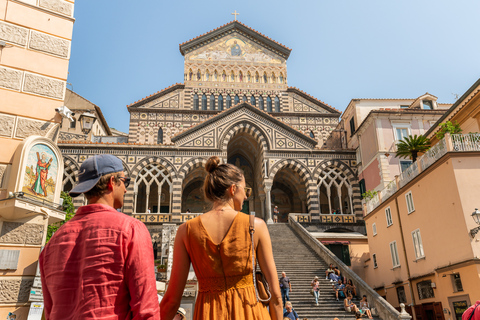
x=111, y=183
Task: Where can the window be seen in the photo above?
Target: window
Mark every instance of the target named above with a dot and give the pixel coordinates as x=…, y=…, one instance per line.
x=362, y=186
x=265, y=79
x=404, y=107
x=374, y=229
x=252, y=101
x=260, y=103
x=195, y=101
x=401, y=133
x=212, y=102
x=394, y=253
x=417, y=244
x=199, y=75
x=402, y=297
x=312, y=135
x=269, y=104
x=341, y=251
x=244, y=99
x=404, y=164
x=277, y=104
x=204, y=102
x=220, y=102
x=236, y=100
x=73, y=123
x=427, y=105
x=352, y=126
x=388, y=215
x=409, y=198
x=374, y=257
x=160, y=136
x=229, y=101
x=425, y=290
x=457, y=282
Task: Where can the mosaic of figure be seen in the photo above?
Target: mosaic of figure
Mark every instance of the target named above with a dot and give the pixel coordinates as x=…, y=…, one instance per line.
x=235, y=49
x=40, y=172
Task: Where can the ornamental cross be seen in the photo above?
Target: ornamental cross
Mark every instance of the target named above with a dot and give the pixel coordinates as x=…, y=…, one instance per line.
x=235, y=14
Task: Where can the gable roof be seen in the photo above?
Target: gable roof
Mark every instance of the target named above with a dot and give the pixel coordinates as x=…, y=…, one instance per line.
x=314, y=100
x=235, y=26
x=157, y=94
x=242, y=105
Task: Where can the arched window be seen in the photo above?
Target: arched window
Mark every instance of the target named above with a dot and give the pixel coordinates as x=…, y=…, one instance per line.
x=334, y=191
x=204, y=102
x=212, y=102
x=236, y=100
x=260, y=103
x=229, y=102
x=195, y=101
x=160, y=136
x=257, y=77
x=153, y=188
x=207, y=76
x=312, y=135
x=199, y=75
x=244, y=99
x=240, y=76
x=281, y=78
x=190, y=75
x=273, y=77
x=220, y=102
x=277, y=104
x=252, y=101
x=232, y=77
x=265, y=79
x=269, y=104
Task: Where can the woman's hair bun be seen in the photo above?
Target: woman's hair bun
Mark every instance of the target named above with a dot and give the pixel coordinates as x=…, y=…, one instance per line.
x=212, y=164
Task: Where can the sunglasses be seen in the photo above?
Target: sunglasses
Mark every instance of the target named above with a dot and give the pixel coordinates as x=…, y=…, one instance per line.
x=248, y=191
x=126, y=181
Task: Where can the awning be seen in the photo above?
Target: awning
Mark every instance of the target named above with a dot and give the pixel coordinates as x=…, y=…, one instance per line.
x=336, y=242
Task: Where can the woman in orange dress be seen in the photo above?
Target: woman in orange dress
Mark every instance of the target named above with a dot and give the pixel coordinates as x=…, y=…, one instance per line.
x=218, y=244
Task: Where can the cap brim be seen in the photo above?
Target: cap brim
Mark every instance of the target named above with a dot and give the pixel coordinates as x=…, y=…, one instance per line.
x=83, y=187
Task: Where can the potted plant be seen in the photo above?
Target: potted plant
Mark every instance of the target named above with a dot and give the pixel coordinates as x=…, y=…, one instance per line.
x=161, y=268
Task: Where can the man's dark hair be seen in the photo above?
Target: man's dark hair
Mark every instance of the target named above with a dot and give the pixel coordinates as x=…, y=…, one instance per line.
x=101, y=187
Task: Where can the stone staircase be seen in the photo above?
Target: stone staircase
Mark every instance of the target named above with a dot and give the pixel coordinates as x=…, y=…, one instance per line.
x=301, y=264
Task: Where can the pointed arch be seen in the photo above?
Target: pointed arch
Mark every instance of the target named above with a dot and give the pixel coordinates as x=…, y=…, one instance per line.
x=269, y=104
x=212, y=102
x=190, y=75
x=260, y=103
x=265, y=78
x=280, y=78
x=199, y=75
x=253, y=102
x=277, y=104
x=220, y=102
x=247, y=127
x=232, y=76
x=236, y=100
x=228, y=101
x=190, y=165
x=195, y=101
x=160, y=136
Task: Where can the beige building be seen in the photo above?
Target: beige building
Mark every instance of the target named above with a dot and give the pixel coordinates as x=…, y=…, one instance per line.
x=35, y=39
x=424, y=245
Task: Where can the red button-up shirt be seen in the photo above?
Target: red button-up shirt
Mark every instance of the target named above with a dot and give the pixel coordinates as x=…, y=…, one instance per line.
x=99, y=265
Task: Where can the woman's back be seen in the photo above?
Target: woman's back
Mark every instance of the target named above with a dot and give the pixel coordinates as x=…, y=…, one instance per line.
x=224, y=271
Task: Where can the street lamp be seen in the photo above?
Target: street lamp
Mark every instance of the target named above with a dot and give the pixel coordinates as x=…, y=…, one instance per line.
x=86, y=121
x=476, y=218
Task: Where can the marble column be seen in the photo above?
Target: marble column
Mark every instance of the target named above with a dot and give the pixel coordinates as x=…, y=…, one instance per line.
x=268, y=201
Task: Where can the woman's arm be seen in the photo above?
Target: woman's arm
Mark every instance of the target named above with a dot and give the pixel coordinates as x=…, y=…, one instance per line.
x=267, y=264
x=178, y=279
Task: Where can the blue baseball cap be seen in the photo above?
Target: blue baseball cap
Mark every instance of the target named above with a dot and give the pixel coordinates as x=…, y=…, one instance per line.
x=93, y=169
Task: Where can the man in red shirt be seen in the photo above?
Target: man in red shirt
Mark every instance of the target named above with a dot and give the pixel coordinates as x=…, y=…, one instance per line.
x=99, y=265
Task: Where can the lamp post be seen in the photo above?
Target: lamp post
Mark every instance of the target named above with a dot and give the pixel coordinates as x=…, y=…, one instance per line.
x=476, y=218
x=87, y=120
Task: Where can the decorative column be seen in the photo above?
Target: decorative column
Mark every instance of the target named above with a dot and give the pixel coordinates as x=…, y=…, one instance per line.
x=268, y=199
x=176, y=199
x=262, y=205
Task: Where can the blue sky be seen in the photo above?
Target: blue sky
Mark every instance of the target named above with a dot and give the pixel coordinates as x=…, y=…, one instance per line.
x=123, y=51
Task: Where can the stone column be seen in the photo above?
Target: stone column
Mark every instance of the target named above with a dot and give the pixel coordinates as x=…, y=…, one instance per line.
x=268, y=201
x=176, y=199
x=262, y=205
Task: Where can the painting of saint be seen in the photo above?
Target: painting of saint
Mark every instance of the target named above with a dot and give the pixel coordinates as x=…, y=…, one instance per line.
x=41, y=172
x=235, y=49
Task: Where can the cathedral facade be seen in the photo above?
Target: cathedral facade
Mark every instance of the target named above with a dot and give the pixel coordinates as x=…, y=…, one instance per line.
x=235, y=103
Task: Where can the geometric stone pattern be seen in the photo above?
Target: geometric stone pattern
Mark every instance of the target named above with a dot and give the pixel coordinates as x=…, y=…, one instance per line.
x=49, y=44
x=27, y=127
x=15, y=291
x=12, y=33
x=59, y=6
x=44, y=86
x=21, y=233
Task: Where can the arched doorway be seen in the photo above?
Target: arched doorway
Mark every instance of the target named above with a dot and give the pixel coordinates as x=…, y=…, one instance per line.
x=193, y=197
x=288, y=193
x=244, y=151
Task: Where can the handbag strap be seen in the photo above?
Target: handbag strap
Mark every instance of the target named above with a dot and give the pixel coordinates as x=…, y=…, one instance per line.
x=471, y=315
x=254, y=261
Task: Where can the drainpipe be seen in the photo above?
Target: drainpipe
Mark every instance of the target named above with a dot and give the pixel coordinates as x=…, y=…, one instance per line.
x=404, y=249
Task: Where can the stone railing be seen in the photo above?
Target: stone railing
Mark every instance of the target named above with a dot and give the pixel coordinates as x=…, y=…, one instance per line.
x=379, y=306
x=450, y=143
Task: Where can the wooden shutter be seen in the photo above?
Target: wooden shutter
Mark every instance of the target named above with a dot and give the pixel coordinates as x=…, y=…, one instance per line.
x=418, y=312
x=437, y=307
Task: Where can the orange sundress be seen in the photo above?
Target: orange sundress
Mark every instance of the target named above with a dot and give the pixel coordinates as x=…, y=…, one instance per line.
x=224, y=272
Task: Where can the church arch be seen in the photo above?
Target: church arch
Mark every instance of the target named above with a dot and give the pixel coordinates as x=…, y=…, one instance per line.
x=277, y=104
x=195, y=101
x=269, y=104
x=247, y=127
x=244, y=99
x=229, y=102
x=212, y=102
x=236, y=100
x=296, y=168
x=204, y=102
x=160, y=136
x=220, y=102
x=190, y=165
x=252, y=101
x=260, y=103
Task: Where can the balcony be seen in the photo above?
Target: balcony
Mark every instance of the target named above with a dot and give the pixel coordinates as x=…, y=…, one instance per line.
x=450, y=143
